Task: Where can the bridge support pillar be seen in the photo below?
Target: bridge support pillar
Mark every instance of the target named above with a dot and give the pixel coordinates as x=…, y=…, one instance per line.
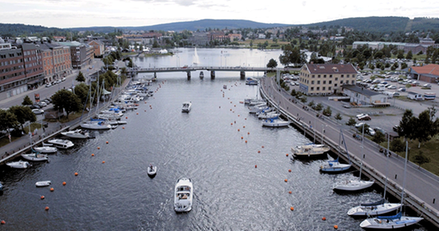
x=212, y=74
x=155, y=75
x=188, y=75
x=242, y=74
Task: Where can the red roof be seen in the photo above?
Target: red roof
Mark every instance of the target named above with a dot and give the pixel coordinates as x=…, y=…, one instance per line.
x=432, y=69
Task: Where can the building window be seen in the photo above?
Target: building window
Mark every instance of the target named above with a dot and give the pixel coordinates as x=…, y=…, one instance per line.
x=312, y=88
x=347, y=76
x=329, y=88
x=312, y=82
x=318, y=82
x=318, y=76
x=335, y=85
x=313, y=76
x=318, y=88
x=330, y=76
x=336, y=79
x=323, y=88
x=324, y=76
x=342, y=76
x=341, y=82
x=353, y=81
x=324, y=82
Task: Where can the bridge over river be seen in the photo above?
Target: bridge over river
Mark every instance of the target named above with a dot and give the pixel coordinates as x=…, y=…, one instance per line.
x=211, y=69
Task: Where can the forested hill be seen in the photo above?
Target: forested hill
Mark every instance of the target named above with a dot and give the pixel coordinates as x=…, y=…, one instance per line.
x=372, y=24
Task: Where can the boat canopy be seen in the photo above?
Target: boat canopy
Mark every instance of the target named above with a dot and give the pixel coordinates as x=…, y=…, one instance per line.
x=380, y=202
x=394, y=217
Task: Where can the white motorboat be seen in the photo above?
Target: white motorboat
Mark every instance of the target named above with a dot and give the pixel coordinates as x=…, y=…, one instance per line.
x=35, y=157
x=60, y=143
x=96, y=125
x=76, y=134
x=186, y=107
x=269, y=115
x=19, y=164
x=275, y=123
x=46, y=149
x=309, y=150
x=253, y=102
x=152, y=170
x=390, y=222
x=353, y=185
x=396, y=221
x=374, y=209
x=183, y=195
x=334, y=166
x=258, y=108
x=43, y=183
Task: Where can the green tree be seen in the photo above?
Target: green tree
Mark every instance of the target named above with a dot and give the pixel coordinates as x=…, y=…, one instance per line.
x=64, y=99
x=407, y=125
x=272, y=63
x=403, y=66
x=319, y=107
x=339, y=117
x=292, y=56
x=311, y=104
x=155, y=44
x=351, y=122
x=23, y=114
x=26, y=101
x=397, y=145
x=378, y=137
x=7, y=120
x=82, y=91
x=80, y=77
x=409, y=55
x=327, y=111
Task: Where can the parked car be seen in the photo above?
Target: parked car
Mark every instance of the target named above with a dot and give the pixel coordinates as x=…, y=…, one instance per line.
x=365, y=118
x=370, y=131
x=359, y=125
x=361, y=115
x=402, y=89
x=38, y=111
x=380, y=130
x=63, y=79
x=35, y=106
x=346, y=105
x=48, y=85
x=395, y=128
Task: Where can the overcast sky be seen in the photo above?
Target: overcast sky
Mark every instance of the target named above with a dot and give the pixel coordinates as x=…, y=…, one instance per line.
x=87, y=13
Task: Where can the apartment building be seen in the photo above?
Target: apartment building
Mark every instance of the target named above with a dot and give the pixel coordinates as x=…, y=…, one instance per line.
x=80, y=54
x=98, y=47
x=57, y=61
x=21, y=68
x=326, y=79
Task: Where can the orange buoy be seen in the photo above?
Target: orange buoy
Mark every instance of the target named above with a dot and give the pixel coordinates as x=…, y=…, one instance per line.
x=256, y=166
x=289, y=170
x=126, y=117
x=238, y=129
x=106, y=142
x=51, y=189
x=47, y=208
x=292, y=208
x=145, y=110
x=290, y=192
x=64, y=183
x=123, y=127
x=248, y=133
x=99, y=147
x=137, y=113
x=286, y=180
x=242, y=137
x=234, y=121
x=103, y=162
x=262, y=146
x=246, y=141
x=42, y=197
x=92, y=154
x=324, y=218
x=3, y=222
x=243, y=126
x=238, y=115
x=335, y=226
x=230, y=109
x=231, y=123
x=76, y=173
x=245, y=119
x=234, y=105
x=259, y=151
x=287, y=154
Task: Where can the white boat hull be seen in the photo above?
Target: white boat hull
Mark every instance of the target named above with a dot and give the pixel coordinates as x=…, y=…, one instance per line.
x=45, y=149
x=335, y=167
x=309, y=150
x=183, y=195
x=275, y=123
x=96, y=126
x=152, y=171
x=353, y=185
x=76, y=134
x=60, y=143
x=35, y=157
x=18, y=164
x=376, y=223
x=374, y=210
x=43, y=183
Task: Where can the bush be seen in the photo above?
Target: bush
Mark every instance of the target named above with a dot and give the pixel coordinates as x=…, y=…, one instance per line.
x=318, y=107
x=351, y=122
x=338, y=117
x=397, y=145
x=327, y=111
x=378, y=137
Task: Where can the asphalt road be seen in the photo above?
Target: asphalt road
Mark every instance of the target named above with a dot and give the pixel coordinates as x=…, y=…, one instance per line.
x=419, y=183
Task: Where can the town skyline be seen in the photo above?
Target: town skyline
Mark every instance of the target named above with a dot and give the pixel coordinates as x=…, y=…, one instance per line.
x=118, y=13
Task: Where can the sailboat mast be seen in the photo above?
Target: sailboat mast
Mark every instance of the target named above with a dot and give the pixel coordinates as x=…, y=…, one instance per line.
x=405, y=170
x=387, y=163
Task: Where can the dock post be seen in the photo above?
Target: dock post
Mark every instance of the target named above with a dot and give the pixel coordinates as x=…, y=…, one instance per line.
x=212, y=74
x=188, y=75
x=242, y=75
x=155, y=75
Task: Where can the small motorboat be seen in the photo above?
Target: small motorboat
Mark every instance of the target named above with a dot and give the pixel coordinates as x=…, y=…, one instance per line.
x=309, y=150
x=46, y=149
x=353, y=185
x=152, y=170
x=275, y=123
x=334, y=166
x=183, y=195
x=186, y=107
x=60, y=143
x=19, y=164
x=43, y=183
x=35, y=157
x=76, y=134
x=374, y=209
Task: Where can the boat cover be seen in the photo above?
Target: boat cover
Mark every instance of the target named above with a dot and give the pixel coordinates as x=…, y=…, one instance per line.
x=394, y=217
x=380, y=202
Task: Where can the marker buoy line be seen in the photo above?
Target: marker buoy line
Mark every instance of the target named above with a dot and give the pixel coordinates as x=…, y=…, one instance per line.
x=106, y=142
x=51, y=189
x=42, y=197
x=47, y=208
x=256, y=166
x=92, y=154
x=64, y=183
x=76, y=173
x=242, y=137
x=259, y=151
x=123, y=127
x=231, y=123
x=243, y=126
x=287, y=154
x=103, y=162
x=324, y=218
x=262, y=146
x=99, y=147
x=289, y=170
x=286, y=180
x=3, y=222
x=238, y=129
x=335, y=226
x=292, y=208
x=290, y=192
x=246, y=141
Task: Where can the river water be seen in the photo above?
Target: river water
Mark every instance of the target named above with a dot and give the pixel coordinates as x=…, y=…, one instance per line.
x=240, y=170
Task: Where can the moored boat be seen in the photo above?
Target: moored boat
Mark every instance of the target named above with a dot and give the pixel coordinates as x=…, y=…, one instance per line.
x=60, y=143
x=373, y=209
x=334, y=166
x=46, y=149
x=309, y=150
x=183, y=195
x=96, y=125
x=76, y=134
x=152, y=170
x=18, y=164
x=353, y=185
x=390, y=222
x=35, y=157
x=43, y=183
x=275, y=123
